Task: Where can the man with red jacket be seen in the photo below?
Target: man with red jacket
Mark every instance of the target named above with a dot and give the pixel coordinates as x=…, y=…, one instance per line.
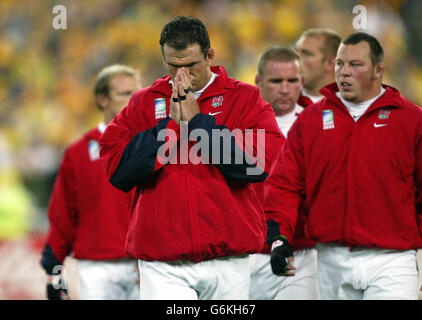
x=88, y=216
x=188, y=144
x=356, y=155
x=280, y=80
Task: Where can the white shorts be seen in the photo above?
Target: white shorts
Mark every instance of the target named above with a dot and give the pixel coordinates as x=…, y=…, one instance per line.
x=108, y=280
x=217, y=279
x=302, y=286
x=366, y=273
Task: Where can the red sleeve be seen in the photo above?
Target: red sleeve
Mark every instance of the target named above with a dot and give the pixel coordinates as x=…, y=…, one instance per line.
x=117, y=135
x=62, y=210
x=129, y=150
x=285, y=187
x=418, y=179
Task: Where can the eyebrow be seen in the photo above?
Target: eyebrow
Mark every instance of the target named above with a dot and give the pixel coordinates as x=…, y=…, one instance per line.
x=183, y=65
x=303, y=50
x=351, y=61
x=279, y=79
x=125, y=92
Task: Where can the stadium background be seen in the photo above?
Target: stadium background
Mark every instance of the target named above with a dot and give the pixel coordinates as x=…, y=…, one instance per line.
x=46, y=78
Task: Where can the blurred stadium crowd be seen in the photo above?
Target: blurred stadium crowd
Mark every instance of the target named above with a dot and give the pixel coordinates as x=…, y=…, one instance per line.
x=46, y=75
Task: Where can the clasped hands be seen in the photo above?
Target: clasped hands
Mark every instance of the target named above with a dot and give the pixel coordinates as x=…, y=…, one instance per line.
x=183, y=105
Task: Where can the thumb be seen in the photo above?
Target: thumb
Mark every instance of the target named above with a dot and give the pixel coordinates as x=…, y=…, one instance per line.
x=290, y=262
x=290, y=269
x=64, y=295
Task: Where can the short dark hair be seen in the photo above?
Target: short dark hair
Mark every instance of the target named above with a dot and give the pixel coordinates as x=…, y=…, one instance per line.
x=277, y=53
x=377, y=53
x=183, y=31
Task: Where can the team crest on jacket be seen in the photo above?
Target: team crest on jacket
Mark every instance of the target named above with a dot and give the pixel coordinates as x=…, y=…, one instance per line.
x=217, y=101
x=93, y=150
x=160, y=108
x=384, y=114
x=328, y=119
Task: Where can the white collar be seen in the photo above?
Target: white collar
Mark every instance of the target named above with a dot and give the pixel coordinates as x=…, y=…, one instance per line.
x=286, y=121
x=356, y=110
x=367, y=103
x=291, y=116
x=101, y=127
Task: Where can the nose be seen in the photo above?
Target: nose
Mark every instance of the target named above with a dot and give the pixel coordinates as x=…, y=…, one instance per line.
x=284, y=87
x=344, y=70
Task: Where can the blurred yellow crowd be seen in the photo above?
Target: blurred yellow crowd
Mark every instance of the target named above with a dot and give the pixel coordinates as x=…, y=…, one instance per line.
x=46, y=74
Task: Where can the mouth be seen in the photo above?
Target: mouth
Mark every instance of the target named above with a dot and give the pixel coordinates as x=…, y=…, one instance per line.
x=284, y=101
x=345, y=85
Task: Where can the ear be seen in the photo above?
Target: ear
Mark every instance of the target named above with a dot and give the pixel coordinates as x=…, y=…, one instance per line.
x=102, y=100
x=163, y=56
x=330, y=63
x=257, y=79
x=302, y=79
x=379, y=71
x=163, y=61
x=210, y=56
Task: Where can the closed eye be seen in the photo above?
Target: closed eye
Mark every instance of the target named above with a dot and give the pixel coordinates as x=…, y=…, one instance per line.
x=275, y=80
x=125, y=93
x=293, y=80
x=306, y=53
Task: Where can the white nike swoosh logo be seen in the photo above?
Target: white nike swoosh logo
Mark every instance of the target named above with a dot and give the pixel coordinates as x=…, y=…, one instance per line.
x=214, y=113
x=377, y=125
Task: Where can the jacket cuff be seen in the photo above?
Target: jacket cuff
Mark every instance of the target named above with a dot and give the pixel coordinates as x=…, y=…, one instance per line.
x=49, y=261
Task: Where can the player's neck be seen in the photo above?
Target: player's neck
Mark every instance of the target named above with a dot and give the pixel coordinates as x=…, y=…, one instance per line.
x=206, y=81
x=108, y=117
x=311, y=92
x=314, y=90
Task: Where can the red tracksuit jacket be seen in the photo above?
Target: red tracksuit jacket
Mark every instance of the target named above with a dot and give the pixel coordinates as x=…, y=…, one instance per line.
x=190, y=211
x=362, y=180
x=87, y=214
x=300, y=240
